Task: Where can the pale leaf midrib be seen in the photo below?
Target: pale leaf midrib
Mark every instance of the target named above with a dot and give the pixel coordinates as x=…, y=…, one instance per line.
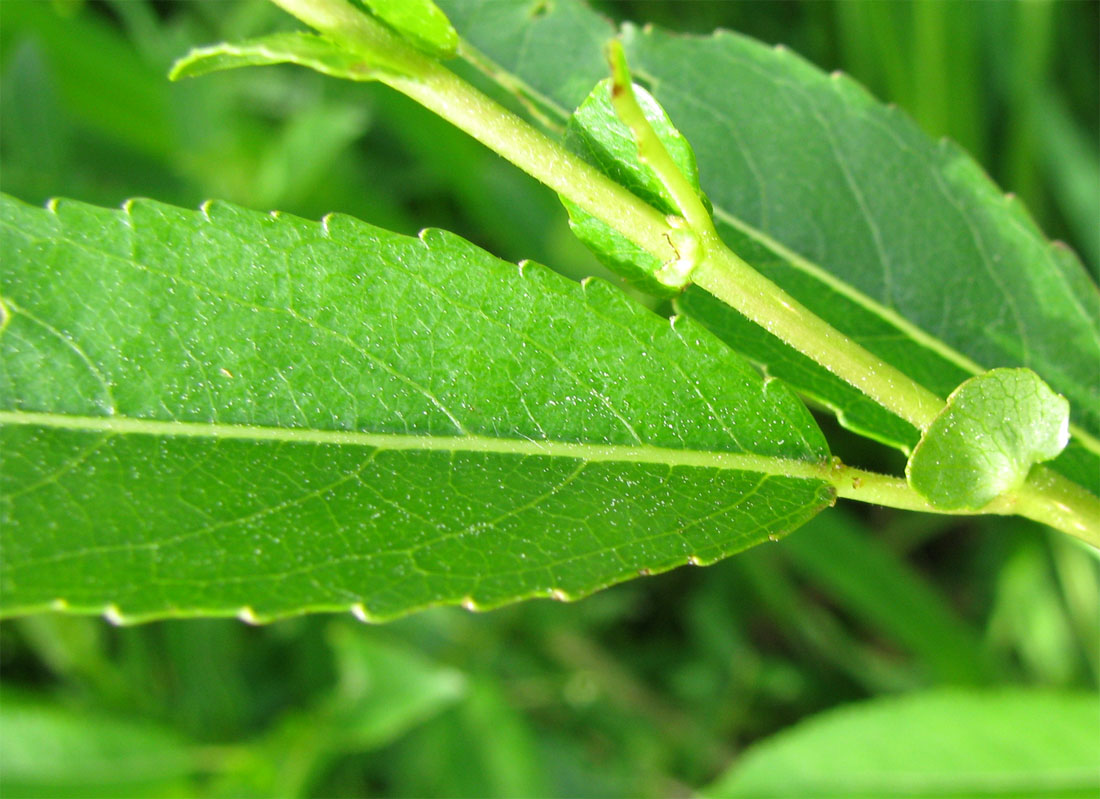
x=589, y=452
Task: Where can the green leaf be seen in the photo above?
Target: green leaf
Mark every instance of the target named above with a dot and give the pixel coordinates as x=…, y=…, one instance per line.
x=304, y=49
x=994, y=428
x=948, y=743
x=419, y=21
x=485, y=747
x=384, y=690
x=84, y=54
x=597, y=134
x=53, y=750
x=403, y=422
x=549, y=52
x=900, y=242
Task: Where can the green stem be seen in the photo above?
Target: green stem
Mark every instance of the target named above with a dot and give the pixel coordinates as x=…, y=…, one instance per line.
x=726, y=276
x=1045, y=498
x=440, y=90
x=1051, y=499
x=730, y=279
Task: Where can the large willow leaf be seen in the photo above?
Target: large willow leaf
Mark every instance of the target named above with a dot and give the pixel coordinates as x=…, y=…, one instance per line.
x=899, y=241
x=221, y=411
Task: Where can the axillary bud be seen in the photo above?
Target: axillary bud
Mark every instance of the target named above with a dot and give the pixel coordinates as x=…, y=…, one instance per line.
x=688, y=249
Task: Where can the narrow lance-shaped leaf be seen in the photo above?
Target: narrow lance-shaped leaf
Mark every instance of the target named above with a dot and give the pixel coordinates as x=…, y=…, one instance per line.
x=229, y=412
x=303, y=49
x=52, y=749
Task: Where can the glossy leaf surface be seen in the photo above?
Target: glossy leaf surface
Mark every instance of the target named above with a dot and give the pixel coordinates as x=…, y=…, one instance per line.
x=222, y=411
x=549, y=53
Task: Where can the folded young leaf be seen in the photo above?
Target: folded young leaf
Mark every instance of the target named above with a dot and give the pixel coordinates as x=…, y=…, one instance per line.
x=996, y=426
x=221, y=411
x=597, y=134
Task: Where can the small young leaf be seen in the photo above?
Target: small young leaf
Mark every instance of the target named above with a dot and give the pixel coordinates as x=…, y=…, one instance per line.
x=421, y=22
x=597, y=134
x=995, y=427
x=304, y=49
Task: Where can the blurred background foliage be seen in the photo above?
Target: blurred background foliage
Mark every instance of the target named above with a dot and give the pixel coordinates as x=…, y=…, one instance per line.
x=647, y=689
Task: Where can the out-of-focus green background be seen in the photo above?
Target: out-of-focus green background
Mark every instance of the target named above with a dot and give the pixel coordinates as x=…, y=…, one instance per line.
x=647, y=689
